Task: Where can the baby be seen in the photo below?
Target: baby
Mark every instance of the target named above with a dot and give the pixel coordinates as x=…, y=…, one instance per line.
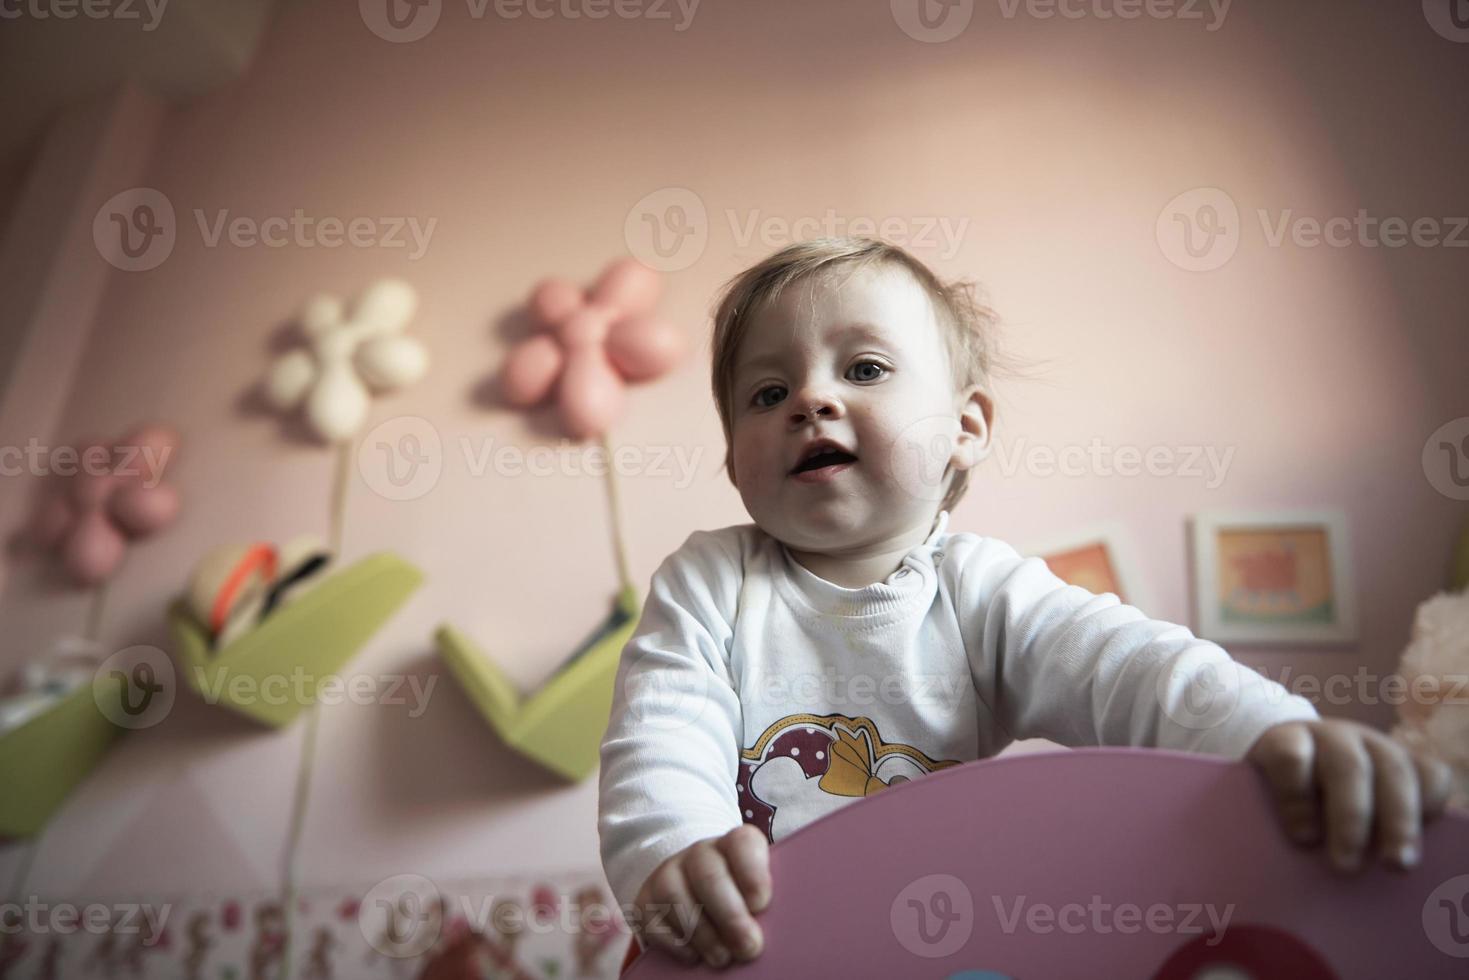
x=847, y=640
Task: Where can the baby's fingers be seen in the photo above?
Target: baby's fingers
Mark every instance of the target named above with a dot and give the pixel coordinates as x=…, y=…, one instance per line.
x=1397, y=802
x=1286, y=755
x=723, y=904
x=669, y=914
x=1435, y=782
x=748, y=854
x=1344, y=772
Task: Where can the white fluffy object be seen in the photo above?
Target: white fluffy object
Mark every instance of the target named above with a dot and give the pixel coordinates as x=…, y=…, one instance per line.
x=349, y=353
x=1439, y=722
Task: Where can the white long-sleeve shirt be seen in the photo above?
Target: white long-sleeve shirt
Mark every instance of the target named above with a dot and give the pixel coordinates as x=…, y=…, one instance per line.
x=755, y=691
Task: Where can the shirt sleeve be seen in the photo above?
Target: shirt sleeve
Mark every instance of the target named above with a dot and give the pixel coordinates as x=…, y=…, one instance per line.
x=670, y=755
x=1056, y=661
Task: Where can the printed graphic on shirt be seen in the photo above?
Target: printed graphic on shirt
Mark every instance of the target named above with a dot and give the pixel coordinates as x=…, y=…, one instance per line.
x=805, y=766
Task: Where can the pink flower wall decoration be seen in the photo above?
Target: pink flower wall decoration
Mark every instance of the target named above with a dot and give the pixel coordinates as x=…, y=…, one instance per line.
x=591, y=344
x=117, y=493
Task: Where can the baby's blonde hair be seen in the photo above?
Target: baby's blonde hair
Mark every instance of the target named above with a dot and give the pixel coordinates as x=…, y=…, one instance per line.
x=968, y=325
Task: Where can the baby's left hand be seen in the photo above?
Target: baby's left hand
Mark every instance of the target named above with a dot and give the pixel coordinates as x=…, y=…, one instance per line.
x=1361, y=779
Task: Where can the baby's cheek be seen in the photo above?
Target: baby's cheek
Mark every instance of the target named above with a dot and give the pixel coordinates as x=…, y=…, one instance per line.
x=916, y=456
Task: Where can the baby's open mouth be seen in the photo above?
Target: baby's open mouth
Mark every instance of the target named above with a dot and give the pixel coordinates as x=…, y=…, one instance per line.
x=824, y=458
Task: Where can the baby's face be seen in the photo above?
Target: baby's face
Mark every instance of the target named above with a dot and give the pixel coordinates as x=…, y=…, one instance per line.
x=856, y=358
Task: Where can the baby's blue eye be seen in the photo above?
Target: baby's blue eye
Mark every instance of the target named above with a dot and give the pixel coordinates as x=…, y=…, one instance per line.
x=869, y=364
x=768, y=388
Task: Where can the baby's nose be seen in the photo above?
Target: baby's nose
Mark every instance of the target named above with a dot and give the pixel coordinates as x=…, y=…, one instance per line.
x=819, y=406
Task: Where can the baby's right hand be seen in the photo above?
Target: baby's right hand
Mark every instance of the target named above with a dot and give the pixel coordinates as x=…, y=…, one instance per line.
x=716, y=884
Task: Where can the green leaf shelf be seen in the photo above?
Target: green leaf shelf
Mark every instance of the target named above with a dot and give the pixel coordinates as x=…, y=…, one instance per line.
x=561, y=725
x=44, y=759
x=317, y=634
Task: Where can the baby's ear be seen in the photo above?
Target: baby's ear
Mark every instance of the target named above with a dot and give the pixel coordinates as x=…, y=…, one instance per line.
x=976, y=418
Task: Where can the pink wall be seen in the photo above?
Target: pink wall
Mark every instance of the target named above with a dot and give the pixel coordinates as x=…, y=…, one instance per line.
x=1059, y=143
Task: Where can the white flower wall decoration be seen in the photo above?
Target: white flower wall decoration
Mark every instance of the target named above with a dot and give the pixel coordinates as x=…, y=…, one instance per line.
x=353, y=352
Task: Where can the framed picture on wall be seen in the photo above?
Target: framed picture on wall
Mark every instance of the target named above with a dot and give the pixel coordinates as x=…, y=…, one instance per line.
x=1274, y=577
x=1099, y=559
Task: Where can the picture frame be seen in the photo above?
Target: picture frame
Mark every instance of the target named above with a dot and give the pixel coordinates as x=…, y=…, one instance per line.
x=1274, y=577
x=1100, y=558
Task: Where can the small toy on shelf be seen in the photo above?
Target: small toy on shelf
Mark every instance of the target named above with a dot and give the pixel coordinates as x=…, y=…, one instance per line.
x=236, y=586
x=310, y=637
